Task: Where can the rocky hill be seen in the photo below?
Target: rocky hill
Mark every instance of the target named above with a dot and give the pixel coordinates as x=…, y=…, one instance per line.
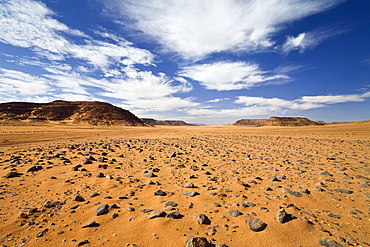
x=279, y=121
x=79, y=112
x=152, y=121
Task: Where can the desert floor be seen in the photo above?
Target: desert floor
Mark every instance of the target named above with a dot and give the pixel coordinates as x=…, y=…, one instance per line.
x=54, y=177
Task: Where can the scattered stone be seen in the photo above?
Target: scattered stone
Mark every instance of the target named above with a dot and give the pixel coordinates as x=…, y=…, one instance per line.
x=174, y=215
x=42, y=233
x=234, y=213
x=365, y=185
x=87, y=161
x=343, y=191
x=202, y=219
x=170, y=203
x=189, y=185
x=328, y=243
x=83, y=242
x=325, y=173
x=190, y=193
x=35, y=168
x=148, y=174
x=291, y=192
x=103, y=209
x=156, y=214
x=100, y=175
x=146, y=210
x=334, y=216
x=13, y=175
x=282, y=216
x=160, y=193
x=197, y=242
x=94, y=194
x=79, y=198
x=90, y=224
x=256, y=224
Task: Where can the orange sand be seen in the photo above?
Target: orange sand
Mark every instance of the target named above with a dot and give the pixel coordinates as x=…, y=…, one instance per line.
x=232, y=155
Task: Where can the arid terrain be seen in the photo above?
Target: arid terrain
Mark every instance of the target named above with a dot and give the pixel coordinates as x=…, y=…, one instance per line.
x=80, y=185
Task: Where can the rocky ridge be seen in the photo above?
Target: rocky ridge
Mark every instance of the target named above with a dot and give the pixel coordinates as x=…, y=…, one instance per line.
x=279, y=121
x=152, y=121
x=78, y=112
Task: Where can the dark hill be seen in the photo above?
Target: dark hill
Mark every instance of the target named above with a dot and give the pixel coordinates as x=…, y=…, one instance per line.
x=84, y=112
x=279, y=121
x=152, y=121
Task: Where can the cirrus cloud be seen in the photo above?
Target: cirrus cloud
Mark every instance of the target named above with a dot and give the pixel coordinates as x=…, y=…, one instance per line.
x=224, y=76
x=195, y=29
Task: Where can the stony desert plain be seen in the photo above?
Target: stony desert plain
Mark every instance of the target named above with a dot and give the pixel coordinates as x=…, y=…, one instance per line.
x=76, y=185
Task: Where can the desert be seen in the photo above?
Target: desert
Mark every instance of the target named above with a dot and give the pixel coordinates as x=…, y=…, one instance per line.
x=83, y=185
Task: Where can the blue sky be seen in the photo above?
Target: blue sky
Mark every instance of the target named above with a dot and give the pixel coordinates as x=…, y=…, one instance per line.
x=202, y=61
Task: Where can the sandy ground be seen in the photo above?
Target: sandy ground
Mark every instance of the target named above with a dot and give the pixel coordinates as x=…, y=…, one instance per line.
x=320, y=176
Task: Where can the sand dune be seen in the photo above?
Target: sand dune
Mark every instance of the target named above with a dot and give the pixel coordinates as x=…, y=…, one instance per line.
x=319, y=175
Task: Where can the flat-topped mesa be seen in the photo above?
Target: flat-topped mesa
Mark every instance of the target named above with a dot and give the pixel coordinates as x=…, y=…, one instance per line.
x=279, y=121
x=250, y=122
x=78, y=112
x=152, y=121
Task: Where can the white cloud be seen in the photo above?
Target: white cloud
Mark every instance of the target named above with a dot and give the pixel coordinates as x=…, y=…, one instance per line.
x=217, y=100
x=30, y=24
x=303, y=103
x=259, y=106
x=19, y=83
x=196, y=28
x=309, y=40
x=224, y=76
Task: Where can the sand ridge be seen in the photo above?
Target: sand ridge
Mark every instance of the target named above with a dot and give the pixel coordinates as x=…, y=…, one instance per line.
x=319, y=175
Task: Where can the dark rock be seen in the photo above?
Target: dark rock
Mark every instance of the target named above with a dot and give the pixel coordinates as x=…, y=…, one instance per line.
x=246, y=204
x=334, y=216
x=79, y=198
x=202, y=219
x=282, y=216
x=343, y=191
x=256, y=224
x=174, y=215
x=189, y=185
x=115, y=215
x=83, y=242
x=365, y=185
x=42, y=233
x=234, y=213
x=160, y=193
x=291, y=192
x=148, y=174
x=197, y=242
x=326, y=173
x=190, y=193
x=100, y=175
x=94, y=194
x=156, y=214
x=35, y=168
x=13, y=175
x=146, y=210
x=328, y=243
x=91, y=224
x=172, y=204
x=103, y=209
x=87, y=161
